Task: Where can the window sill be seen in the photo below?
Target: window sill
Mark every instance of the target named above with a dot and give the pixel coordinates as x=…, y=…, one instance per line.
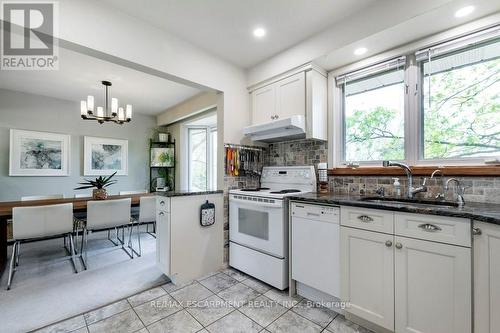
x=469, y=170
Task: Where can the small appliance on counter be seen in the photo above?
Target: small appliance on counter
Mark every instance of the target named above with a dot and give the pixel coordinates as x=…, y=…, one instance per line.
x=258, y=220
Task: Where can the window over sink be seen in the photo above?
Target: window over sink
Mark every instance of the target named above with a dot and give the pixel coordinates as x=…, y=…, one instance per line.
x=439, y=104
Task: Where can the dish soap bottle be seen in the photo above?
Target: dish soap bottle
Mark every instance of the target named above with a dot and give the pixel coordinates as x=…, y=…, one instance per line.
x=397, y=187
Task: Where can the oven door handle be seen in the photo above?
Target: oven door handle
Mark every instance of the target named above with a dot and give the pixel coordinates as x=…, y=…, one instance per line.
x=276, y=204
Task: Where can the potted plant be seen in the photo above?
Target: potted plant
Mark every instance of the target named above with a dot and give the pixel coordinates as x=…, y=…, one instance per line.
x=99, y=184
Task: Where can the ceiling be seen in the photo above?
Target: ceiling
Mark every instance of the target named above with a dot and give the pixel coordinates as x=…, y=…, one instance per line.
x=224, y=27
x=81, y=75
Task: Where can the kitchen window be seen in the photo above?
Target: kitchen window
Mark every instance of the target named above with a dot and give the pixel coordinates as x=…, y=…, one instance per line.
x=202, y=158
x=438, y=105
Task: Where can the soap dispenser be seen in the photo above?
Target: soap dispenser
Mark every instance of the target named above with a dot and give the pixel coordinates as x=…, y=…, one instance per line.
x=397, y=187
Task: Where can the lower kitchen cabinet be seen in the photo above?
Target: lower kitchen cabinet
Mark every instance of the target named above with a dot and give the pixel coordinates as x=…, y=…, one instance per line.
x=417, y=284
x=432, y=287
x=367, y=275
x=487, y=278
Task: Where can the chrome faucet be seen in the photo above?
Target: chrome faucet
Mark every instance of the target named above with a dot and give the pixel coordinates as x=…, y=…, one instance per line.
x=439, y=196
x=460, y=190
x=411, y=190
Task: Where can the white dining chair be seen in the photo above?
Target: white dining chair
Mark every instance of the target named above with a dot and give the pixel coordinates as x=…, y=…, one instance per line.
x=147, y=213
x=132, y=192
x=42, y=197
x=109, y=214
x=83, y=195
x=38, y=223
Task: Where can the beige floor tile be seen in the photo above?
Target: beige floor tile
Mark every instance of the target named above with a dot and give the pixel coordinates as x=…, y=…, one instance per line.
x=146, y=296
x=179, y=322
x=235, y=322
x=192, y=293
x=281, y=296
x=238, y=295
x=218, y=282
x=124, y=322
x=106, y=311
x=291, y=322
x=315, y=312
x=157, y=309
x=210, y=310
x=263, y=310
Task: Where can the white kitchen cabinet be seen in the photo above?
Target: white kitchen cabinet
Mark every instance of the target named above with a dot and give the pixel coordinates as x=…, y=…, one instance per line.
x=367, y=275
x=291, y=96
x=263, y=104
x=487, y=278
x=301, y=92
x=432, y=287
x=185, y=249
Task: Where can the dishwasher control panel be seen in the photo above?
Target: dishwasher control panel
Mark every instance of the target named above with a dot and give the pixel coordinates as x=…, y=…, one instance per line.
x=316, y=212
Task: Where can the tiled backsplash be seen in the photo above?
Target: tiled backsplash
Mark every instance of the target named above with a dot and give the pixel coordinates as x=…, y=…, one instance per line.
x=478, y=189
x=298, y=152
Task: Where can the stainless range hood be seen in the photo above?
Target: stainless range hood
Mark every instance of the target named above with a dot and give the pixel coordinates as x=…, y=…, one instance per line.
x=278, y=130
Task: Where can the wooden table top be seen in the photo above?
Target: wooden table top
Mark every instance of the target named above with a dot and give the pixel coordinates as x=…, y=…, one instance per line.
x=78, y=203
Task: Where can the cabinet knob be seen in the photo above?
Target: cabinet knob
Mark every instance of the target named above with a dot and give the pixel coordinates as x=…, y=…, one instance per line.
x=399, y=246
x=476, y=231
x=388, y=243
x=161, y=213
x=162, y=203
x=276, y=117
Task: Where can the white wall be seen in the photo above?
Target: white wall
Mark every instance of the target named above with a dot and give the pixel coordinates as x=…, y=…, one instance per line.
x=39, y=113
x=106, y=29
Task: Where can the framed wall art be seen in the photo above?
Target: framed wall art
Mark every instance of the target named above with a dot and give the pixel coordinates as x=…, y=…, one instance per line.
x=39, y=153
x=103, y=156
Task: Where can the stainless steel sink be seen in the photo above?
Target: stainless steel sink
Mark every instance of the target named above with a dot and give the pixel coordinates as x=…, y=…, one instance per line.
x=388, y=200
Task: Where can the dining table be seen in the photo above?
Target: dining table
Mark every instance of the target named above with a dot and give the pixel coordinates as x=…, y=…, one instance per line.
x=79, y=206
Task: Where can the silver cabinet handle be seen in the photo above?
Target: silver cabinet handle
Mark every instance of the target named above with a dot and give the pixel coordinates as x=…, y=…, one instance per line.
x=476, y=231
x=162, y=203
x=161, y=213
x=398, y=246
x=388, y=243
x=429, y=227
x=365, y=218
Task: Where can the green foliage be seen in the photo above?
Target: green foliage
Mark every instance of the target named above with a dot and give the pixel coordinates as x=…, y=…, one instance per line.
x=461, y=118
x=99, y=183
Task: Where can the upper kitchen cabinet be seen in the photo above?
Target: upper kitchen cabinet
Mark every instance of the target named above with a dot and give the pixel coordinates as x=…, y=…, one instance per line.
x=290, y=106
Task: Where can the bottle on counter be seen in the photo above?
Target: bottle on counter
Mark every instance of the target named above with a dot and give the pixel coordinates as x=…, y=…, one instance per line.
x=397, y=187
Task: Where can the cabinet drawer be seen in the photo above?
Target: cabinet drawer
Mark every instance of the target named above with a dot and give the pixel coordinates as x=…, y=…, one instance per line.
x=442, y=229
x=367, y=219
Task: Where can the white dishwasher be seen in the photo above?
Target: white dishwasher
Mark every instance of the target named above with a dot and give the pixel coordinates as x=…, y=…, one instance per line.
x=315, y=247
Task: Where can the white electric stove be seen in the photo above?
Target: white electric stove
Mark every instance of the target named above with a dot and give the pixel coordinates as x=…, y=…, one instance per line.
x=258, y=223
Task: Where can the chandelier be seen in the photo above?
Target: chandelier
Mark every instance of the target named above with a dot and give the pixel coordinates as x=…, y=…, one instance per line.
x=104, y=114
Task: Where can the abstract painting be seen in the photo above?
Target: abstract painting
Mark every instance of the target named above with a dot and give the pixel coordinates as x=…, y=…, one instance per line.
x=38, y=153
x=103, y=156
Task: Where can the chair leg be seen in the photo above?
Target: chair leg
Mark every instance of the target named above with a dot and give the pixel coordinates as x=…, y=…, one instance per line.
x=130, y=242
x=116, y=235
x=73, y=252
x=153, y=234
x=131, y=253
x=12, y=262
x=18, y=252
x=83, y=249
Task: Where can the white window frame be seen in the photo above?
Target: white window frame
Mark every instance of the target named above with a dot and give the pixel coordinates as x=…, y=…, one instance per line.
x=211, y=183
x=413, y=113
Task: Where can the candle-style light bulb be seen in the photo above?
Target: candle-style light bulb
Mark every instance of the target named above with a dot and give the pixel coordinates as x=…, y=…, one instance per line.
x=83, y=108
x=114, y=106
x=100, y=112
x=121, y=114
x=129, y=111
x=90, y=103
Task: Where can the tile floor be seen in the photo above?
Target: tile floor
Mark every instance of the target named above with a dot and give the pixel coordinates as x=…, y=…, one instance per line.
x=227, y=301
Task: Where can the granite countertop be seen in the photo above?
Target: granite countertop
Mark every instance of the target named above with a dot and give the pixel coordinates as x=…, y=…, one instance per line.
x=486, y=212
x=186, y=193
